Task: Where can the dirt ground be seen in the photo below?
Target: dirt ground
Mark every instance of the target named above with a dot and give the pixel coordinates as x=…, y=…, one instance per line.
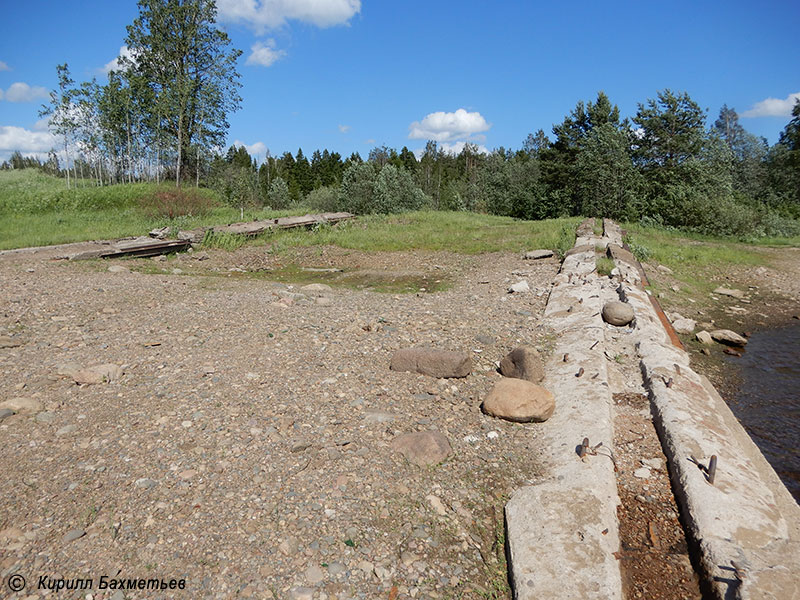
x=246, y=448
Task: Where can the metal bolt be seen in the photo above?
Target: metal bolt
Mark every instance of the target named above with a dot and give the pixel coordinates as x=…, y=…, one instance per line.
x=566, y=357
x=579, y=373
x=712, y=469
x=739, y=571
x=584, y=448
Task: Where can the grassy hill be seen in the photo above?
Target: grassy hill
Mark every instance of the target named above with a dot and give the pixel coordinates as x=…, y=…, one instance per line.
x=37, y=209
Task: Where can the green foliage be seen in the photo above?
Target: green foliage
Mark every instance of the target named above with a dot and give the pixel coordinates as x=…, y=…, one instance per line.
x=324, y=199
x=184, y=75
x=37, y=210
x=30, y=190
x=395, y=191
x=388, y=190
x=640, y=251
x=356, y=193
x=672, y=132
x=783, y=166
x=607, y=184
x=690, y=255
x=748, y=154
x=237, y=184
x=279, y=194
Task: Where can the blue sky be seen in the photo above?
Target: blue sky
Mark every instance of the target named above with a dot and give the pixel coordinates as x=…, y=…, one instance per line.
x=352, y=74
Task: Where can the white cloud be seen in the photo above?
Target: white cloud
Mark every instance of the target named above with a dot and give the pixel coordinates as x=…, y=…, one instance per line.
x=449, y=126
x=1, y=94
x=42, y=124
x=270, y=14
x=344, y=128
x=773, y=107
x=22, y=92
x=4, y=66
x=114, y=65
x=255, y=150
x=29, y=143
x=264, y=53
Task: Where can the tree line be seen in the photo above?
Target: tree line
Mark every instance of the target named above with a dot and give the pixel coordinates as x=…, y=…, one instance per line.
x=665, y=165
x=163, y=111
x=162, y=115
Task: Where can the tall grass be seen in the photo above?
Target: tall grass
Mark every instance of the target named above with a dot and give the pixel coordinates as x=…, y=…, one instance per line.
x=37, y=209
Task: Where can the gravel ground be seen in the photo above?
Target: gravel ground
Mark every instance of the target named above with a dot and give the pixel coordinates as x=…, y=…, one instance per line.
x=246, y=449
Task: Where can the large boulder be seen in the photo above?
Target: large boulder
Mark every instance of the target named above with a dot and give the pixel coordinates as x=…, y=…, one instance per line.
x=422, y=448
x=520, y=401
x=523, y=362
x=726, y=336
x=617, y=313
x=432, y=362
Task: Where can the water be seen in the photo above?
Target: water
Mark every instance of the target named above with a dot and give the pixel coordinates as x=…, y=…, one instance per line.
x=768, y=402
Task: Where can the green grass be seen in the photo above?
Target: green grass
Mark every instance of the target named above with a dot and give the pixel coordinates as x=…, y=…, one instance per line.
x=681, y=251
x=464, y=233
x=604, y=266
x=38, y=210
x=696, y=260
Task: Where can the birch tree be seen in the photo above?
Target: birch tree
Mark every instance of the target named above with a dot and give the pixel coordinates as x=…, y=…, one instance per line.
x=190, y=69
x=60, y=111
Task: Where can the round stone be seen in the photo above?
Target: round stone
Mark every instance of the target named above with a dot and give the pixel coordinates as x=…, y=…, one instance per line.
x=617, y=313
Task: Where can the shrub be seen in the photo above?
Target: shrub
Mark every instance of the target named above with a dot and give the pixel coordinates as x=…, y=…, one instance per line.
x=176, y=202
x=324, y=199
x=642, y=253
x=395, y=191
x=356, y=193
x=278, y=194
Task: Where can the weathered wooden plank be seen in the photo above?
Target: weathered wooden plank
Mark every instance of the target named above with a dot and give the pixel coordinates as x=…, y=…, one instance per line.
x=138, y=247
x=148, y=246
x=258, y=227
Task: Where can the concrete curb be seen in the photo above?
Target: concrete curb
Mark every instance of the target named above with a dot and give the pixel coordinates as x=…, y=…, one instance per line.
x=746, y=526
x=562, y=533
